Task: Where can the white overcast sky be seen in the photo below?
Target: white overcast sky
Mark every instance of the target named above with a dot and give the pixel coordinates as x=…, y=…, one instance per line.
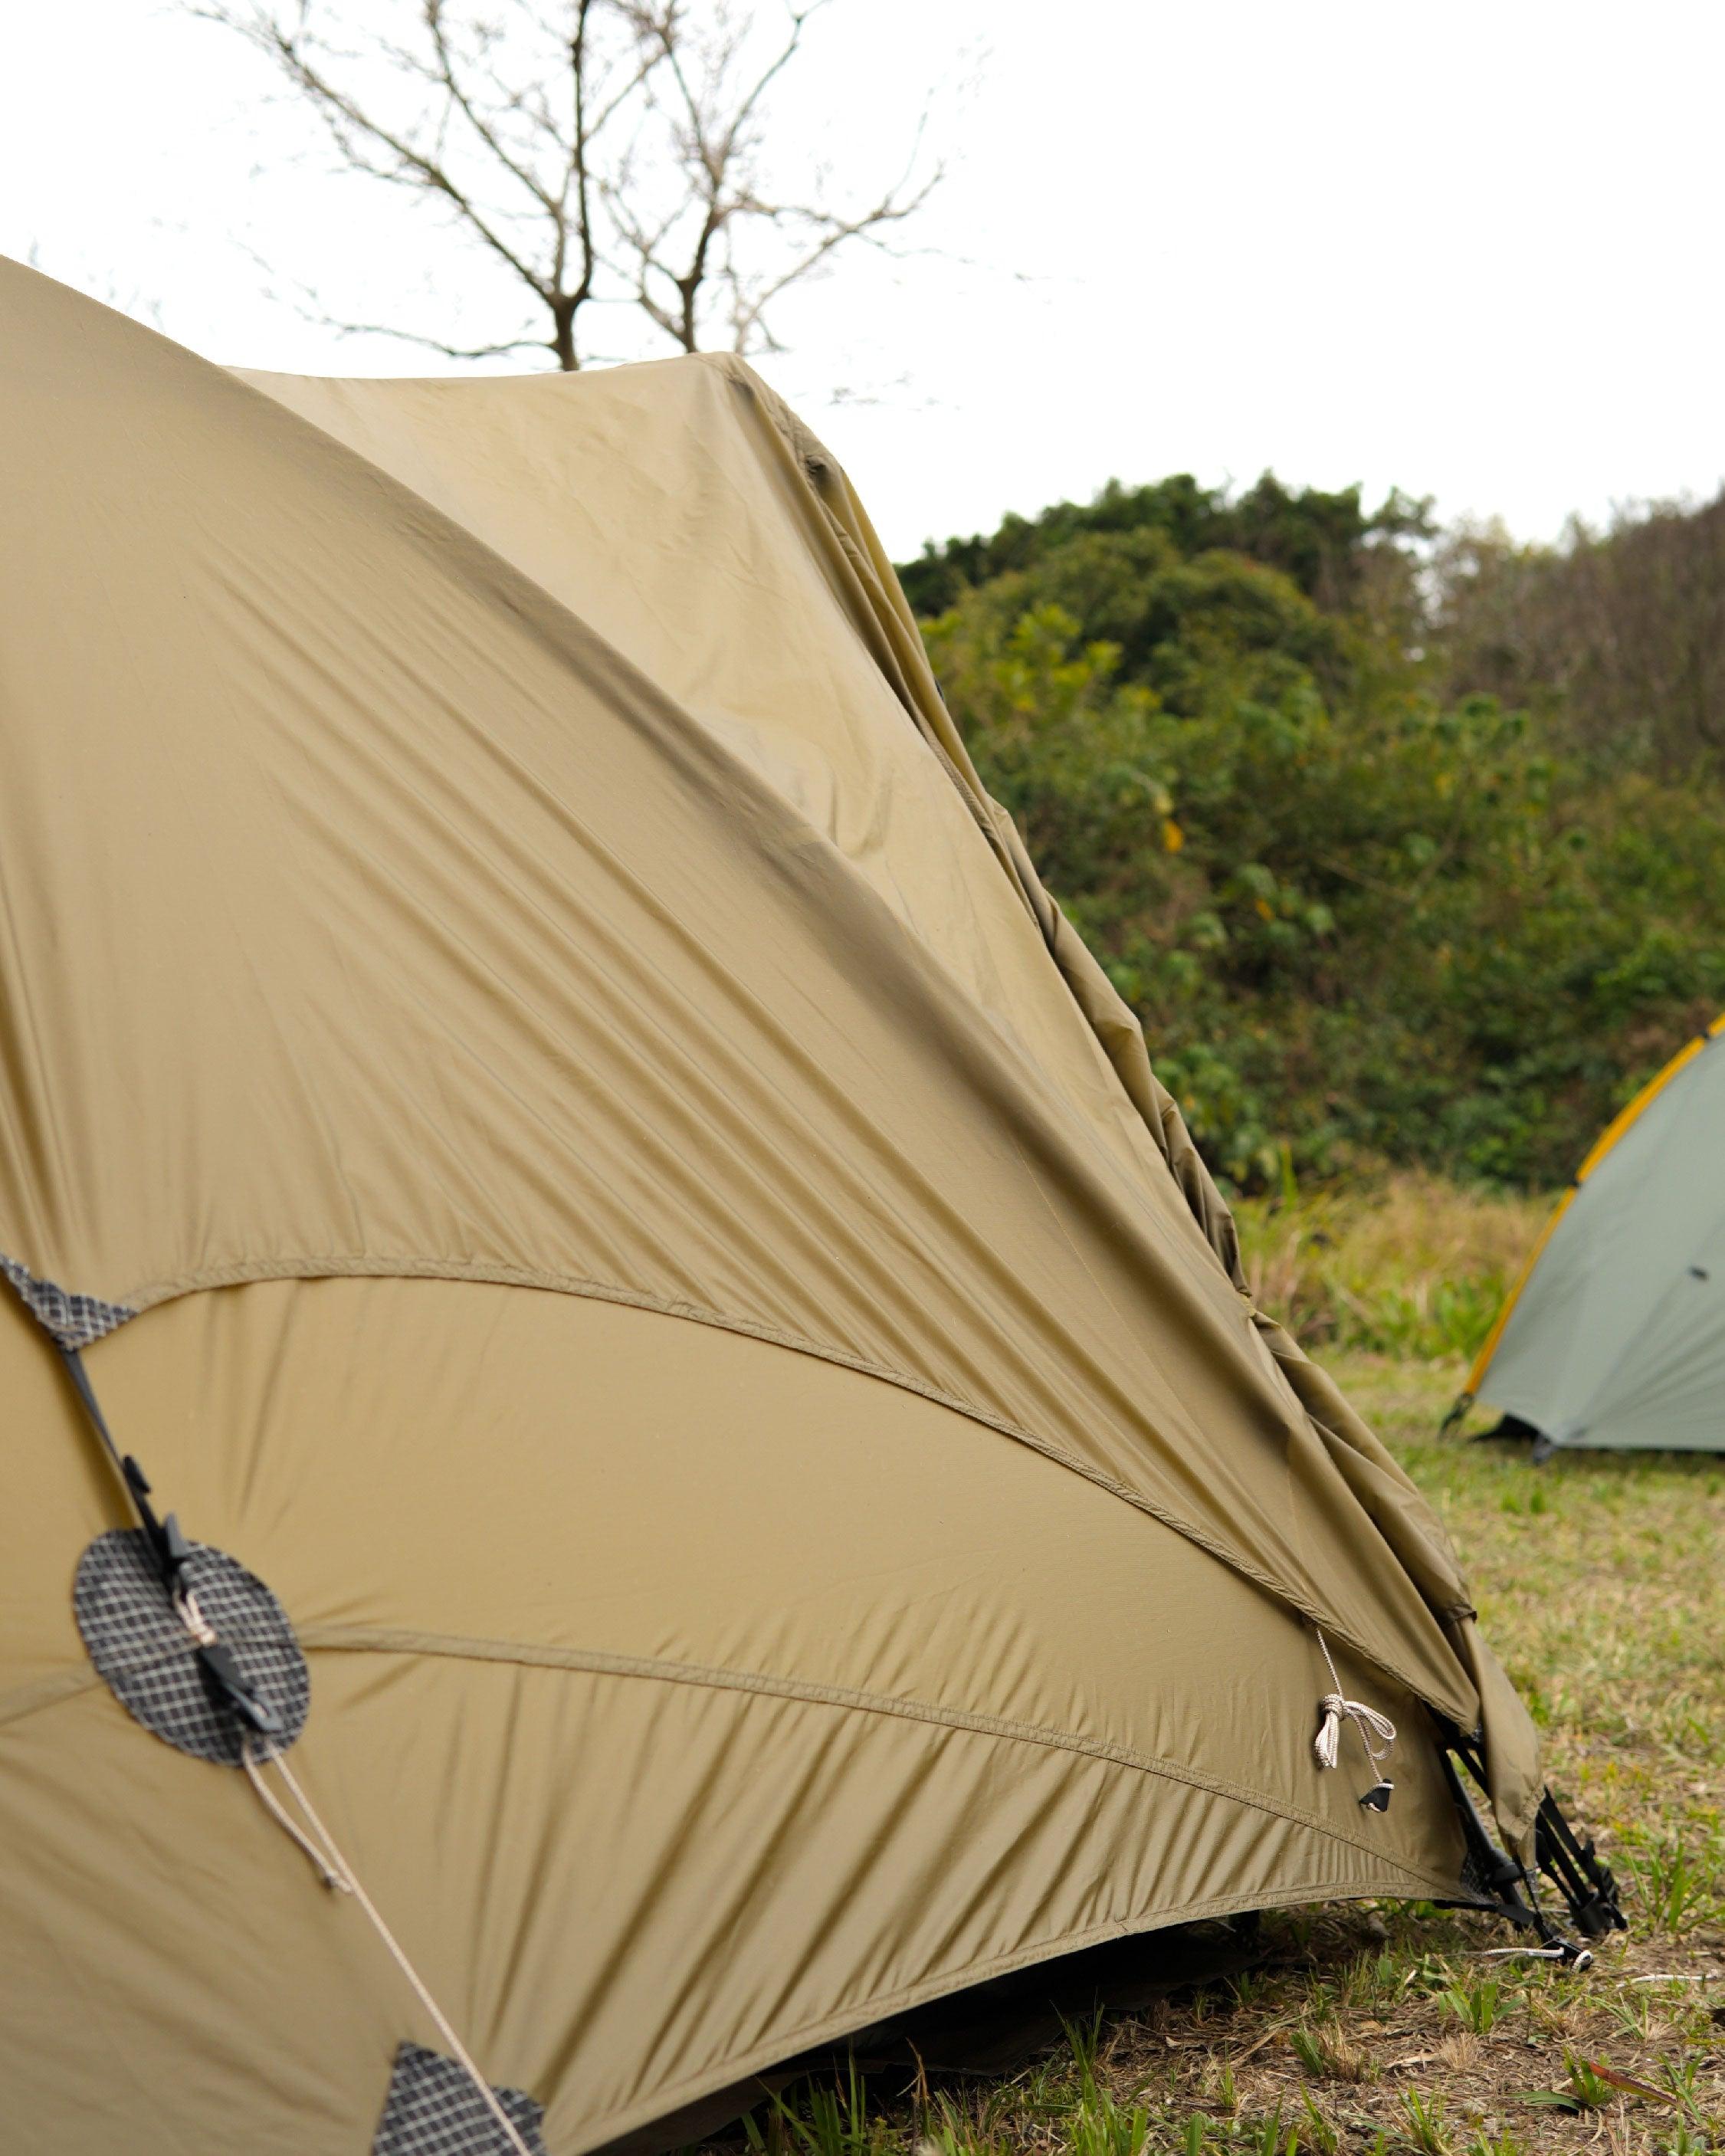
x=1471, y=249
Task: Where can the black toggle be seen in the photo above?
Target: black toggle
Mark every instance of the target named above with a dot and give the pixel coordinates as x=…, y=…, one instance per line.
x=228, y=1686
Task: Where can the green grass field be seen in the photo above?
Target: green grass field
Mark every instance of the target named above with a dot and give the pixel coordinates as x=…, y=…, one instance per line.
x=1600, y=1579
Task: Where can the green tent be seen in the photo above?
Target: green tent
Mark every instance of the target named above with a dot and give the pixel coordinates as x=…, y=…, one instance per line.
x=1614, y=1336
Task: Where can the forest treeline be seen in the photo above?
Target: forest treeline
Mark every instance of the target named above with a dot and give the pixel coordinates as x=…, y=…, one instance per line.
x=1407, y=845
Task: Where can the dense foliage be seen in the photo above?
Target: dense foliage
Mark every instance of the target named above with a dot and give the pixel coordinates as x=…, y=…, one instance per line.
x=1364, y=913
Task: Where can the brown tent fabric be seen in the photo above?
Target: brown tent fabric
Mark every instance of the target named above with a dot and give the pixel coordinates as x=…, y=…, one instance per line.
x=599, y=1173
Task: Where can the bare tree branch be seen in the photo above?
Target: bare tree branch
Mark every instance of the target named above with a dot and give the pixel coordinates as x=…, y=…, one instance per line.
x=448, y=78
x=747, y=312
x=642, y=182
x=306, y=303
x=351, y=126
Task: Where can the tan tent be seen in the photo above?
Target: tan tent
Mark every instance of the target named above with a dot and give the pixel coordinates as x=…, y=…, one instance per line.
x=553, y=1118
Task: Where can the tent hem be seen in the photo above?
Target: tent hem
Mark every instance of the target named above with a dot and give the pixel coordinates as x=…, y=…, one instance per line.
x=784, y=2050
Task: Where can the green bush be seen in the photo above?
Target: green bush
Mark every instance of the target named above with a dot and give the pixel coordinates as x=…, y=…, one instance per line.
x=1356, y=922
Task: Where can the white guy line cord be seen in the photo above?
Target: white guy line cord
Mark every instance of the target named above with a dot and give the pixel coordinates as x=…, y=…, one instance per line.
x=1377, y=1731
x=336, y=1872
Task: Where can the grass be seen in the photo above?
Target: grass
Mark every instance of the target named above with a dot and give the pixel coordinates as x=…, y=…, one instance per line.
x=1601, y=1581
x=1407, y=1266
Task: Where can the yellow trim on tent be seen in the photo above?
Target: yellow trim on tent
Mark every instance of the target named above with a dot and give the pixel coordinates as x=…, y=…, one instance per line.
x=1602, y=1145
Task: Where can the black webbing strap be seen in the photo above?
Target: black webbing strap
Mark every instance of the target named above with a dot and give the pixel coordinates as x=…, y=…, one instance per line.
x=226, y=1682
x=168, y=1545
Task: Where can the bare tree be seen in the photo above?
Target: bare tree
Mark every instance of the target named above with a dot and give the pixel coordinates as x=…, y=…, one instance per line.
x=1620, y=631
x=599, y=153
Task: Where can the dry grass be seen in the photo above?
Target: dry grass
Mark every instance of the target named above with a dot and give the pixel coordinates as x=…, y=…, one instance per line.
x=1601, y=1578
x=1409, y=1267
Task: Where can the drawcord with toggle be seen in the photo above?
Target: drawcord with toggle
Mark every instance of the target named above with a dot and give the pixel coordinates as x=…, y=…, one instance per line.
x=1377, y=1734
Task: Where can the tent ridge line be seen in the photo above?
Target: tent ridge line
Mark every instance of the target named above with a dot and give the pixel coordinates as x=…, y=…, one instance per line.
x=392, y=1639
x=343, y=1266
x=895, y=646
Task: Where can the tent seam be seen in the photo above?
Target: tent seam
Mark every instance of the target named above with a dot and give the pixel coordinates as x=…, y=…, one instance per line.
x=46, y=1691
x=360, y=1638
x=345, y=1264
x=385, y=1639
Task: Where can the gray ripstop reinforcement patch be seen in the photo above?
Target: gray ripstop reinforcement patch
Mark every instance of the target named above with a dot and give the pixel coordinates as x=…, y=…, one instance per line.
x=73, y=1320
x=434, y=2109
x=146, y=1658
